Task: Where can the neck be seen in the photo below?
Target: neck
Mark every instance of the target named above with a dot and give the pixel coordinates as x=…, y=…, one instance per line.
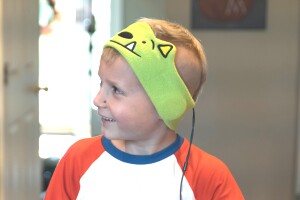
x=146, y=147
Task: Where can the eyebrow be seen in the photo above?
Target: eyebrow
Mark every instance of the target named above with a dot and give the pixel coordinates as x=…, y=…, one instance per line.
x=111, y=82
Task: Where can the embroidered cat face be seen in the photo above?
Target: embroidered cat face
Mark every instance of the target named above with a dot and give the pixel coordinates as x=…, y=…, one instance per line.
x=140, y=45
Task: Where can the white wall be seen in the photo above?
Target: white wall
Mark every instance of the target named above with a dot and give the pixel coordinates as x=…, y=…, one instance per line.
x=134, y=9
x=247, y=115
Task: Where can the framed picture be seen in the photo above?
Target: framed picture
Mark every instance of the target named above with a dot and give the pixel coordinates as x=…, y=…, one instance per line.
x=228, y=14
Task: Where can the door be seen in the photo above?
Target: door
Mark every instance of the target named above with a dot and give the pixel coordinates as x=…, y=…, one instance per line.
x=20, y=173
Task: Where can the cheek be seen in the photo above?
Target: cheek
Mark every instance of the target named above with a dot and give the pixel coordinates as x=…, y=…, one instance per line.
x=145, y=114
x=121, y=112
x=135, y=114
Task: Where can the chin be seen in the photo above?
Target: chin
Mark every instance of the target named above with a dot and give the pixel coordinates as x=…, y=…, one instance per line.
x=111, y=135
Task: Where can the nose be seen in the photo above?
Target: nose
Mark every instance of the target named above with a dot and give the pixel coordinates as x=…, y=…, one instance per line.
x=100, y=99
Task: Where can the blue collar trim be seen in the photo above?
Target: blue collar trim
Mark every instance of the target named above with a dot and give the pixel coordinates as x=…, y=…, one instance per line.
x=142, y=159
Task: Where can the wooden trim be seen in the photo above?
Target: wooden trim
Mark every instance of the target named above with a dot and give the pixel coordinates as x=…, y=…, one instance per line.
x=1, y=107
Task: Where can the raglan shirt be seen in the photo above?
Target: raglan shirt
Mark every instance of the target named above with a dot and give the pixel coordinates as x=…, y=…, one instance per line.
x=93, y=168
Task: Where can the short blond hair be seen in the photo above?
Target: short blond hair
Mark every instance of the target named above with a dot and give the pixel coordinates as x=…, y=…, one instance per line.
x=193, y=69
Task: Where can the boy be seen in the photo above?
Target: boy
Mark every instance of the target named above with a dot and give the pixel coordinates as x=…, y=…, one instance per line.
x=151, y=74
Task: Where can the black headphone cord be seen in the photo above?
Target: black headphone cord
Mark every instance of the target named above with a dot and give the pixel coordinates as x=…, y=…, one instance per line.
x=188, y=154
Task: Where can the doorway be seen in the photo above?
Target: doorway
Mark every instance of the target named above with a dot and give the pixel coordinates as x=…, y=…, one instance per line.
x=72, y=34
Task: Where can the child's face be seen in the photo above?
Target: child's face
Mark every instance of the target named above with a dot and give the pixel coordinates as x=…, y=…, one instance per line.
x=126, y=110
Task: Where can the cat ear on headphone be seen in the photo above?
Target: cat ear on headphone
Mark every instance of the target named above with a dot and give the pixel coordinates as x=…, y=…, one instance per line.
x=165, y=49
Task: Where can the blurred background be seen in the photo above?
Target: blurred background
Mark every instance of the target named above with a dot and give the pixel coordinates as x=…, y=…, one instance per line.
x=247, y=114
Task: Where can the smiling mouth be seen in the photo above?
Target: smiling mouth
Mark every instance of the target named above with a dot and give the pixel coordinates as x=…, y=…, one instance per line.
x=107, y=119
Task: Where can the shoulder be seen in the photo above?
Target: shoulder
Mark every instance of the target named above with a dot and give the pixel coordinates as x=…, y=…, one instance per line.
x=79, y=157
x=85, y=149
x=210, y=177
x=87, y=143
x=207, y=161
x=199, y=160
x=207, y=166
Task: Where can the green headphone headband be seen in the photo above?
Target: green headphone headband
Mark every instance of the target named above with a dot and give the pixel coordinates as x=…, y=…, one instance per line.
x=152, y=61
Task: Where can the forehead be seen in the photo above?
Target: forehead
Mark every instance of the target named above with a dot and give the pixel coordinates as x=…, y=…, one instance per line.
x=117, y=71
x=109, y=54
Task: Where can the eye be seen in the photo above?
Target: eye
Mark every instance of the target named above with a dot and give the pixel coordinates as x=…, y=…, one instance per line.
x=116, y=90
x=126, y=35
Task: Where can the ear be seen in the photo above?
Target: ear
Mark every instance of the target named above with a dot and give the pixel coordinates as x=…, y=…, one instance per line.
x=165, y=49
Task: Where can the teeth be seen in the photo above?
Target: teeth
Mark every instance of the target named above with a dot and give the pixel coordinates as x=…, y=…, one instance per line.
x=108, y=119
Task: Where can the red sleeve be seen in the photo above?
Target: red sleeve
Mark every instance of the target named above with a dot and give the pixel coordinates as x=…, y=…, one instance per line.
x=224, y=184
x=209, y=177
x=65, y=182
